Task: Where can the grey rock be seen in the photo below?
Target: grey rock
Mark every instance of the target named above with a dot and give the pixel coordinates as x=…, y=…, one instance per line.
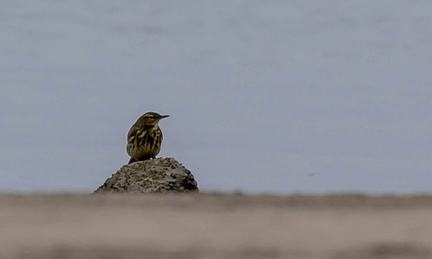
x=155, y=175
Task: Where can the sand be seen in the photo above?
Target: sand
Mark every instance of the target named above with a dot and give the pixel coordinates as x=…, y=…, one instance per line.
x=211, y=225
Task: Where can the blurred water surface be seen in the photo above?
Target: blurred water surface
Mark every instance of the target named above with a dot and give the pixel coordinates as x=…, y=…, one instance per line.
x=264, y=96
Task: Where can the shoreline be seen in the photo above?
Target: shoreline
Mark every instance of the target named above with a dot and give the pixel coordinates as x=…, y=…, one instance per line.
x=215, y=225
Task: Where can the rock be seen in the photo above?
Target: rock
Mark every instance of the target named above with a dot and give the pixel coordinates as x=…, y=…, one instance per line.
x=155, y=175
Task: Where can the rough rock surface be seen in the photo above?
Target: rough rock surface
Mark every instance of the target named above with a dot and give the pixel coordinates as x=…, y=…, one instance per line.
x=155, y=175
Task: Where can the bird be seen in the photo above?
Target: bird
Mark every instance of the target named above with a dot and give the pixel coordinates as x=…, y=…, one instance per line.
x=145, y=137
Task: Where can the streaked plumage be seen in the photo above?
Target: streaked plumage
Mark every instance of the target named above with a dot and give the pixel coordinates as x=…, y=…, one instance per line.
x=145, y=137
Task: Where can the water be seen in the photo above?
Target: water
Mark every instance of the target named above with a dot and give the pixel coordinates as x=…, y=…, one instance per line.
x=264, y=96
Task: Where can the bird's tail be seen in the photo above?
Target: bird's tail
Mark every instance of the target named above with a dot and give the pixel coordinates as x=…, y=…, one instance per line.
x=132, y=160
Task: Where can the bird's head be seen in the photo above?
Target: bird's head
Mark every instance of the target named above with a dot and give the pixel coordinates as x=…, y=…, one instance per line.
x=151, y=118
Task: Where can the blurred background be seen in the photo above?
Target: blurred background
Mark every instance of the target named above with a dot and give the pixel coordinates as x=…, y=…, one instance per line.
x=264, y=96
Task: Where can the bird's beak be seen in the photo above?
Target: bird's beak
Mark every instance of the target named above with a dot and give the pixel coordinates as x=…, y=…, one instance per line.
x=163, y=116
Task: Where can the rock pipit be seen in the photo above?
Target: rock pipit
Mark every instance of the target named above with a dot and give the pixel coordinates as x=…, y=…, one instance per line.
x=145, y=137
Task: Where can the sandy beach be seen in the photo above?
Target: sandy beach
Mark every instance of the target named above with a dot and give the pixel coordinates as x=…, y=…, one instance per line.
x=212, y=225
